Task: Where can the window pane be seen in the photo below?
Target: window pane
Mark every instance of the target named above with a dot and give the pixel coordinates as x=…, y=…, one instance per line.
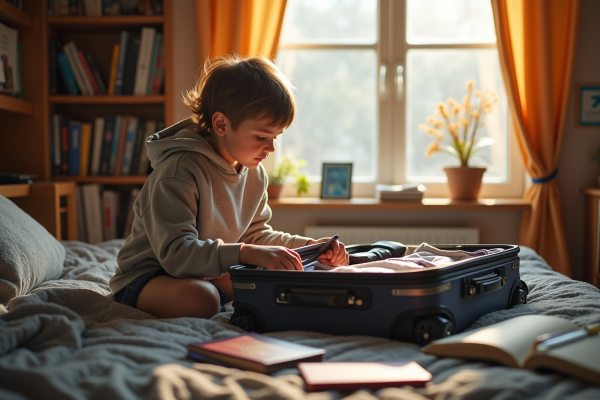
x=449, y=21
x=436, y=75
x=330, y=21
x=337, y=109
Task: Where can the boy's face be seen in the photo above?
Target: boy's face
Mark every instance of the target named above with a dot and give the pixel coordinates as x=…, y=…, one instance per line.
x=249, y=144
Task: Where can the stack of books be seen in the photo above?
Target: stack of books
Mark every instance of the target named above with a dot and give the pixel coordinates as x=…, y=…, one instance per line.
x=137, y=67
x=113, y=145
x=406, y=192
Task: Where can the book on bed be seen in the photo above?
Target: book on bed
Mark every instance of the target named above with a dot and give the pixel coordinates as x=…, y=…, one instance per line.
x=524, y=342
x=254, y=352
x=355, y=375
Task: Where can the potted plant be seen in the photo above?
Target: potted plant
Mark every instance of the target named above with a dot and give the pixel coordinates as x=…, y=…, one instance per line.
x=454, y=126
x=596, y=159
x=287, y=167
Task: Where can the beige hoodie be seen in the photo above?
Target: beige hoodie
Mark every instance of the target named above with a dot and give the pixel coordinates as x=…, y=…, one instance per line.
x=194, y=211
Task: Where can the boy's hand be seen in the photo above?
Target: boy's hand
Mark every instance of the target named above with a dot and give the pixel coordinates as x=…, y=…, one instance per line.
x=270, y=257
x=335, y=257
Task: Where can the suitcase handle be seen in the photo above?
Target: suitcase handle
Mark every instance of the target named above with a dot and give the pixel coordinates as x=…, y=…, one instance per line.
x=322, y=297
x=484, y=284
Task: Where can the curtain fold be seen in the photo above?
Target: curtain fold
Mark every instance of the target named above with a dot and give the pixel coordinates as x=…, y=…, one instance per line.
x=244, y=27
x=536, y=46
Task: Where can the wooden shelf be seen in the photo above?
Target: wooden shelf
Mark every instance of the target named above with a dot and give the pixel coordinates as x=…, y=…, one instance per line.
x=13, y=191
x=106, y=180
x=14, y=17
x=116, y=22
x=427, y=204
x=67, y=99
x=12, y=104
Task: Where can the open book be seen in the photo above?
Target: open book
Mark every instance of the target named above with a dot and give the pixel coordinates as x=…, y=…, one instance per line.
x=513, y=343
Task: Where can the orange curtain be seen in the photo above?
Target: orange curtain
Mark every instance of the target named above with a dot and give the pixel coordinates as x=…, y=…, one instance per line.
x=244, y=27
x=536, y=45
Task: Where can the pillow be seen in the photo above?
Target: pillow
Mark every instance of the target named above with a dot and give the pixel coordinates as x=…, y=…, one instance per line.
x=29, y=254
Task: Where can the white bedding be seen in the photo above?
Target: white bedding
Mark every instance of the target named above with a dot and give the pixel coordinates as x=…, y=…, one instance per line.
x=68, y=340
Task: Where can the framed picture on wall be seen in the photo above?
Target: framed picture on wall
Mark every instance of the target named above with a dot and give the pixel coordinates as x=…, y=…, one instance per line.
x=587, y=105
x=336, y=182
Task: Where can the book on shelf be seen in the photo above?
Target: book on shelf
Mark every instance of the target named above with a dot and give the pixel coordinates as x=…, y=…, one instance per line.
x=64, y=145
x=88, y=72
x=133, y=51
x=143, y=61
x=96, y=74
x=144, y=162
x=67, y=74
x=155, y=67
x=124, y=40
x=519, y=343
x=97, y=8
x=109, y=127
x=409, y=191
x=355, y=375
x=96, y=147
x=81, y=231
x=85, y=87
x=86, y=142
x=140, y=139
x=93, y=212
x=115, y=144
x=110, y=209
x=113, y=69
x=256, y=352
x=9, y=78
x=74, y=147
x=159, y=69
x=132, y=128
x=55, y=151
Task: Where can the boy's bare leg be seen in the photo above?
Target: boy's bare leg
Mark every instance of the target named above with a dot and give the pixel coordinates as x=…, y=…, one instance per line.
x=168, y=297
x=224, y=283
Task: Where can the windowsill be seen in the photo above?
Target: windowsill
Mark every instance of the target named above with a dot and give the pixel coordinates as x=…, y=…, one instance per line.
x=430, y=204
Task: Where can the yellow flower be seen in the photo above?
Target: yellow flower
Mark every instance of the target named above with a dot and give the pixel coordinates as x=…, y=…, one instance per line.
x=474, y=113
x=464, y=121
x=432, y=120
x=432, y=149
x=477, y=93
x=423, y=127
x=470, y=83
x=435, y=133
x=441, y=108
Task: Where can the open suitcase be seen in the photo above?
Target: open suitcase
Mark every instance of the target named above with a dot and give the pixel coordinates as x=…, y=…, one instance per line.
x=413, y=306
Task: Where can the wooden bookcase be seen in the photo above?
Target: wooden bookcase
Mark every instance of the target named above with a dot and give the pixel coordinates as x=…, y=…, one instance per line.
x=25, y=123
x=25, y=127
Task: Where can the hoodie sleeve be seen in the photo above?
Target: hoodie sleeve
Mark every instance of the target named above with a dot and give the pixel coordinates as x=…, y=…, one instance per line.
x=260, y=232
x=170, y=222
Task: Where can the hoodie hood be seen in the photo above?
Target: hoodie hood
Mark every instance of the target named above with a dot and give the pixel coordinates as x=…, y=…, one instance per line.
x=182, y=137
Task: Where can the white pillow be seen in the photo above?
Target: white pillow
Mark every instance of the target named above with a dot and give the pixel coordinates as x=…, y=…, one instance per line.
x=29, y=254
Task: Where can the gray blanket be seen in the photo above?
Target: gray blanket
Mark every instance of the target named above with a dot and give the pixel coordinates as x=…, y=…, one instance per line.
x=68, y=340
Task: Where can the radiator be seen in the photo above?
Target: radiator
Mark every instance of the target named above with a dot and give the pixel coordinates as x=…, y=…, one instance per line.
x=406, y=235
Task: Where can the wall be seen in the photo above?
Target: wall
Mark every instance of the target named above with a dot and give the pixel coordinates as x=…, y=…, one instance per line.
x=576, y=172
x=495, y=227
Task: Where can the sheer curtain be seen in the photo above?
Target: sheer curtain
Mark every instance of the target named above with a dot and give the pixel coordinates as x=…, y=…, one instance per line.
x=536, y=44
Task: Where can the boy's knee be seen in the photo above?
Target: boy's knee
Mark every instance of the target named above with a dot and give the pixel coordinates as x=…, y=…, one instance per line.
x=199, y=298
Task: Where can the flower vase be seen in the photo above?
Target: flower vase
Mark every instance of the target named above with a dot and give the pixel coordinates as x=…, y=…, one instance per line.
x=274, y=191
x=464, y=182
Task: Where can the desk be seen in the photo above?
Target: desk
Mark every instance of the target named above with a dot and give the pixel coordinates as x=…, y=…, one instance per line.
x=592, y=237
x=52, y=204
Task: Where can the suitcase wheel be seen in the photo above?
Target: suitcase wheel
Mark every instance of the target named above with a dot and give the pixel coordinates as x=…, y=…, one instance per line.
x=518, y=294
x=246, y=322
x=431, y=328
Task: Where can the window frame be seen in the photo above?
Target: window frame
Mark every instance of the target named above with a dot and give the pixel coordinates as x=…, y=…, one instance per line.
x=392, y=48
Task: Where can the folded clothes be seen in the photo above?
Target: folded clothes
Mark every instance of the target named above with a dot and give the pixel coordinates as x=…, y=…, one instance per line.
x=418, y=257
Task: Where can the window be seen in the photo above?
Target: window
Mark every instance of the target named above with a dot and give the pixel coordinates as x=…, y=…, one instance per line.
x=368, y=72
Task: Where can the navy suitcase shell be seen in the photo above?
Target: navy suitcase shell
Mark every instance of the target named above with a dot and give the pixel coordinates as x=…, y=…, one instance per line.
x=413, y=306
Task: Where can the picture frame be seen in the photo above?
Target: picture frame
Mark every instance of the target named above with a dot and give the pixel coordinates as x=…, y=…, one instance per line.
x=336, y=182
x=587, y=105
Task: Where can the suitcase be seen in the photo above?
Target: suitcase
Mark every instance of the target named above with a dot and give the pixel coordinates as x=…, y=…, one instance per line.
x=412, y=306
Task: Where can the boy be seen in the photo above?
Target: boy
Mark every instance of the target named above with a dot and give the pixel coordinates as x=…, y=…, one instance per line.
x=204, y=207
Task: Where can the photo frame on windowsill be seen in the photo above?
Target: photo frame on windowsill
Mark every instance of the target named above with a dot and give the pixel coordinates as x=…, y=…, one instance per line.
x=336, y=182
x=587, y=105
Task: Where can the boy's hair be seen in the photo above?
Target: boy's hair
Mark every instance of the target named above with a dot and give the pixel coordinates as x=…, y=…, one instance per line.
x=251, y=88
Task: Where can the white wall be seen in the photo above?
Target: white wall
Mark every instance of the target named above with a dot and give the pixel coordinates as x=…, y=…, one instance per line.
x=576, y=171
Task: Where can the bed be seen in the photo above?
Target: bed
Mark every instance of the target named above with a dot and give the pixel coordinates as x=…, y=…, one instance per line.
x=65, y=338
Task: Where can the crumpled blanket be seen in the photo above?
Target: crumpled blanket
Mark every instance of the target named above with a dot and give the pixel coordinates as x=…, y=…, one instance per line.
x=419, y=257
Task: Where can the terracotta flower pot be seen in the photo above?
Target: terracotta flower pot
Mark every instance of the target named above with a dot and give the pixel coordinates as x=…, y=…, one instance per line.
x=274, y=191
x=464, y=182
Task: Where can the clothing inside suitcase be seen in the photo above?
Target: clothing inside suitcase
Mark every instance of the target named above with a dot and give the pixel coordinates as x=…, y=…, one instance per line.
x=415, y=305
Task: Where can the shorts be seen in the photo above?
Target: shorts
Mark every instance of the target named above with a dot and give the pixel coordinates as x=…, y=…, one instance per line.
x=130, y=293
